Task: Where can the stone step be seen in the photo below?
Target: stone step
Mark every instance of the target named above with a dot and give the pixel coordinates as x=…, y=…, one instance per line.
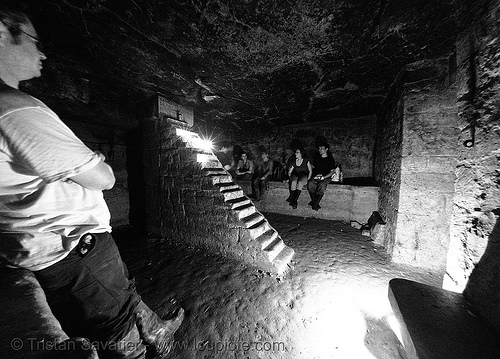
x=283, y=259
x=227, y=186
x=253, y=219
x=232, y=194
x=212, y=164
x=258, y=229
x=219, y=178
x=275, y=248
x=238, y=202
x=214, y=172
x=267, y=238
x=245, y=210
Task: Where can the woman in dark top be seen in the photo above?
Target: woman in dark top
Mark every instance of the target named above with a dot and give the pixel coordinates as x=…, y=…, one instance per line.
x=299, y=172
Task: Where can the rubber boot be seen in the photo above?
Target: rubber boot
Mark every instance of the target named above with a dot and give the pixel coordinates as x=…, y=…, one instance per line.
x=290, y=193
x=155, y=331
x=317, y=199
x=129, y=347
x=296, y=198
x=312, y=199
x=292, y=198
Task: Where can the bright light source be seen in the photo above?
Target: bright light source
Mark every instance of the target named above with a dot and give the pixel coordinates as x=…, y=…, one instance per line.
x=193, y=140
x=202, y=144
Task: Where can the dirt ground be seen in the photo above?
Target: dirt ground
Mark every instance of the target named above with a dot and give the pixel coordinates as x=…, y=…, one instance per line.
x=332, y=304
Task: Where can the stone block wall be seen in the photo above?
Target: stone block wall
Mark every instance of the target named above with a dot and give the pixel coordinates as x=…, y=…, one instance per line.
x=198, y=203
x=387, y=169
x=415, y=165
x=427, y=171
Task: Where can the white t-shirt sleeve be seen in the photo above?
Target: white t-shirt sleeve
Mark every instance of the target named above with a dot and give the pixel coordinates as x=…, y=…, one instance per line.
x=44, y=146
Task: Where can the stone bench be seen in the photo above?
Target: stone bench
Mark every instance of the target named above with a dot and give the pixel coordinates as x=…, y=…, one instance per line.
x=342, y=202
x=439, y=324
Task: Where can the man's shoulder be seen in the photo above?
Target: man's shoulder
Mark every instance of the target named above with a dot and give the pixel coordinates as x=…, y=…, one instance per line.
x=13, y=99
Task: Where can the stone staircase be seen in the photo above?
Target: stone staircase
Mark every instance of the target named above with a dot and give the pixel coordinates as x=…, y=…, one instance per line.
x=259, y=229
x=268, y=245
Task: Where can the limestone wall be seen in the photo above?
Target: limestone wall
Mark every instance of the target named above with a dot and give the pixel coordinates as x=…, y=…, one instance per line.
x=387, y=169
x=351, y=142
x=415, y=165
x=474, y=258
x=427, y=169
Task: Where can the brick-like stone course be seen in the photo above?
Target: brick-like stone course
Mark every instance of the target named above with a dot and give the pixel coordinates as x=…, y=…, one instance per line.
x=415, y=164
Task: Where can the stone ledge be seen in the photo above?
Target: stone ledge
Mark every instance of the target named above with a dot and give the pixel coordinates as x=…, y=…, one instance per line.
x=341, y=202
x=439, y=324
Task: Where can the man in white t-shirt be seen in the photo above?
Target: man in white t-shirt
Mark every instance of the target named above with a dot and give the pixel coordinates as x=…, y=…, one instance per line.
x=53, y=217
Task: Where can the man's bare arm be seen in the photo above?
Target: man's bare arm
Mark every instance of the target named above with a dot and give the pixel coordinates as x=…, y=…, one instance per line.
x=98, y=178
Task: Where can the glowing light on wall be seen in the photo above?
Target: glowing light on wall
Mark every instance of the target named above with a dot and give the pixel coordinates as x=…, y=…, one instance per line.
x=203, y=158
x=195, y=141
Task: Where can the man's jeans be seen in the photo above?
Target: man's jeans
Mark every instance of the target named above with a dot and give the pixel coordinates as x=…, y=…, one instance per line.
x=317, y=188
x=91, y=294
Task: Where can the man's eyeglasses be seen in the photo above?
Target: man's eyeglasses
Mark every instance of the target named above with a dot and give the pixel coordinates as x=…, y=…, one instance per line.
x=34, y=39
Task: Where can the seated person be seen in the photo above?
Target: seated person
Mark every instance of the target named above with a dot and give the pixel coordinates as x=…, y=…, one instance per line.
x=323, y=169
x=289, y=162
x=228, y=155
x=299, y=172
x=263, y=175
x=244, y=168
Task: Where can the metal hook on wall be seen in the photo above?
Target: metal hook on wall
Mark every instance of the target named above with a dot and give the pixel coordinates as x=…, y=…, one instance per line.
x=471, y=141
x=472, y=85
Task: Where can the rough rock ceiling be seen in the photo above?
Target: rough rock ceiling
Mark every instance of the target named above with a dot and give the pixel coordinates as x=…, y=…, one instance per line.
x=249, y=61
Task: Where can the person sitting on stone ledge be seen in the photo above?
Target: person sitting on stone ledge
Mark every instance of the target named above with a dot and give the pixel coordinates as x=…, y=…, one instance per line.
x=323, y=170
x=228, y=155
x=245, y=168
x=262, y=175
x=299, y=172
x=53, y=217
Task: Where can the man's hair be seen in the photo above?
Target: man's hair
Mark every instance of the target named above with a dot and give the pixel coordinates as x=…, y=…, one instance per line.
x=13, y=14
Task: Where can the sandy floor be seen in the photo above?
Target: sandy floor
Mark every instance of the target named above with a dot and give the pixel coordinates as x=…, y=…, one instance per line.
x=332, y=303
